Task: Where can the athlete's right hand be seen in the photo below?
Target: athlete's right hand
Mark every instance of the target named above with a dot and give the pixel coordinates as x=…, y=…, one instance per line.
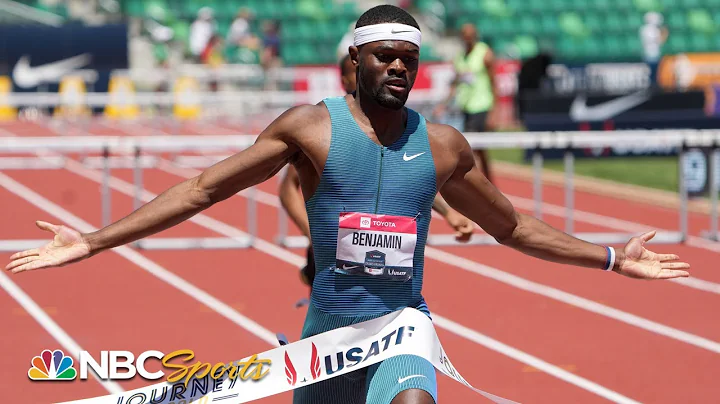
x=67, y=246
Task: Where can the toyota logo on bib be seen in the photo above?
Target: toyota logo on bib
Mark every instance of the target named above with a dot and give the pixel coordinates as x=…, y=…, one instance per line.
x=365, y=222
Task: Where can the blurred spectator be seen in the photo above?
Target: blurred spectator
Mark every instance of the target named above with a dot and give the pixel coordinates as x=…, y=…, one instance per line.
x=712, y=106
x=346, y=41
x=652, y=36
x=532, y=73
x=212, y=56
x=473, y=88
x=201, y=30
x=240, y=34
x=348, y=74
x=271, y=45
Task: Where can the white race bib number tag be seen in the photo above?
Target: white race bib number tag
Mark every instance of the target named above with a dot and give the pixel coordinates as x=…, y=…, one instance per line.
x=381, y=246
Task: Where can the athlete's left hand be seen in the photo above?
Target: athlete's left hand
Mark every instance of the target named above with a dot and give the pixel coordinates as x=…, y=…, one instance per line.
x=641, y=263
x=462, y=225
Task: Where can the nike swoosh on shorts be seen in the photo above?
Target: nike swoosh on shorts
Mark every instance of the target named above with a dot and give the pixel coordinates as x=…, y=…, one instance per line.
x=403, y=379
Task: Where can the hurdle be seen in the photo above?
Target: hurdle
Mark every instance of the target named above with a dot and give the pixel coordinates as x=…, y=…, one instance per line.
x=713, y=189
x=682, y=139
x=55, y=149
x=53, y=153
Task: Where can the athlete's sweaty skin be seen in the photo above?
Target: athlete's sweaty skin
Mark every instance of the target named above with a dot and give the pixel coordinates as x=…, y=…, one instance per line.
x=301, y=136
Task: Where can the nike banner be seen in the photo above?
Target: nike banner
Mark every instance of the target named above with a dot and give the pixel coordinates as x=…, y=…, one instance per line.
x=37, y=57
x=641, y=109
x=308, y=361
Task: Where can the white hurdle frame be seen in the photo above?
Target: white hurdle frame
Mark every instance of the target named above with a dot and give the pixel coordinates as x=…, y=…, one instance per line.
x=133, y=147
x=569, y=140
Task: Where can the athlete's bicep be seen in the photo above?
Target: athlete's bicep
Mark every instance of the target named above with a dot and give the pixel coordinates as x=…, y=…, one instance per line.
x=270, y=152
x=470, y=193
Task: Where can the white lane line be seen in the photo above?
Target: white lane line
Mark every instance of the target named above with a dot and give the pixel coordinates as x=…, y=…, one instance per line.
x=136, y=258
x=61, y=336
x=531, y=360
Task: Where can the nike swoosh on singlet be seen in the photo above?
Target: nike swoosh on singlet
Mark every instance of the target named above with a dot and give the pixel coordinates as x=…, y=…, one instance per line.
x=408, y=158
x=402, y=379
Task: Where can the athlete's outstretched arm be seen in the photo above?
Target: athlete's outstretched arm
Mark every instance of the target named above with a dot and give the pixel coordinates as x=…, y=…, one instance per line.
x=292, y=200
x=249, y=167
x=468, y=191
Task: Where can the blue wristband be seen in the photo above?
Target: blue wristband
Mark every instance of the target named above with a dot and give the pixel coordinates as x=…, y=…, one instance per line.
x=610, y=260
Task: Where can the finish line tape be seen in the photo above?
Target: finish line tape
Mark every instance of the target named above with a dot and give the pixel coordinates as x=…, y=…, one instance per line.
x=305, y=362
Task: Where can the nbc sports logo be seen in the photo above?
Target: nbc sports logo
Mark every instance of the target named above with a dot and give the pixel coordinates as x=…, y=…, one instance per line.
x=365, y=222
x=52, y=365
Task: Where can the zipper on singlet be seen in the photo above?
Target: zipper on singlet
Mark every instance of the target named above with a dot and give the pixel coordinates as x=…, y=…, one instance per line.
x=377, y=198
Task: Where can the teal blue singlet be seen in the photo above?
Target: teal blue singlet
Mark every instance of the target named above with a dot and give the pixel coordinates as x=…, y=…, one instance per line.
x=362, y=176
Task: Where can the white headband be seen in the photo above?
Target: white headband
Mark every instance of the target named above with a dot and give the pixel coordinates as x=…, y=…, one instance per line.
x=387, y=31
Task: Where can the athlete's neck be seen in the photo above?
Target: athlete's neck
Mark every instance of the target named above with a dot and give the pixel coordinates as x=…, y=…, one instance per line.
x=387, y=124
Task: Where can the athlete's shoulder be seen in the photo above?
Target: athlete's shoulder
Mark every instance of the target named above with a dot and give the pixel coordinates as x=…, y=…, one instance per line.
x=305, y=114
x=298, y=120
x=446, y=136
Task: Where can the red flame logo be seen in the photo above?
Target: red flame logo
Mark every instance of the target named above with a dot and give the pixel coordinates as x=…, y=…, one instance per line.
x=314, y=363
x=290, y=370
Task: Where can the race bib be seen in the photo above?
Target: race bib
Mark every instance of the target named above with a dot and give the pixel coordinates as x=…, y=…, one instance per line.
x=382, y=246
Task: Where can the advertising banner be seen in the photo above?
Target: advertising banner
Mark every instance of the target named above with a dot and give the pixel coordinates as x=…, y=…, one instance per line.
x=689, y=71
x=37, y=58
x=597, y=78
x=643, y=109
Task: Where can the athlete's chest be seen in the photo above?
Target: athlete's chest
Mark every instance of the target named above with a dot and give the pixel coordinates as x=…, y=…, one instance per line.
x=401, y=167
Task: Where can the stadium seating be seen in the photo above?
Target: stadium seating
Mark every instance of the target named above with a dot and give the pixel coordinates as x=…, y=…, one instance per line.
x=54, y=8
x=310, y=29
x=588, y=30
x=576, y=30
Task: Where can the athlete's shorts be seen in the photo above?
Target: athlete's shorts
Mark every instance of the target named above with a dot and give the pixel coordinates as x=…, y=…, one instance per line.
x=375, y=384
x=475, y=122
x=308, y=271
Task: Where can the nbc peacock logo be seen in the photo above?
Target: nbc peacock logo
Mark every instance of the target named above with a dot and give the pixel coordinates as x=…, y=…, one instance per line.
x=52, y=365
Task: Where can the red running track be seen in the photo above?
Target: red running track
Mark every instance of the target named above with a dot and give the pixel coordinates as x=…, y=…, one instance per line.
x=110, y=303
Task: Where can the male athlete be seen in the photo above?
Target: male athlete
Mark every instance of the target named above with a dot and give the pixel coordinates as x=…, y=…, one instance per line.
x=473, y=88
x=370, y=169
x=292, y=200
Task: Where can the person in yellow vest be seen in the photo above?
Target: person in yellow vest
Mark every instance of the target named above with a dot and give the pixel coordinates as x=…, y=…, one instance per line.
x=473, y=88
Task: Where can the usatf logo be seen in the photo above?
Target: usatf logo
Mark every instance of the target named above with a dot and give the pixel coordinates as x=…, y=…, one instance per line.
x=52, y=365
x=291, y=373
x=347, y=359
